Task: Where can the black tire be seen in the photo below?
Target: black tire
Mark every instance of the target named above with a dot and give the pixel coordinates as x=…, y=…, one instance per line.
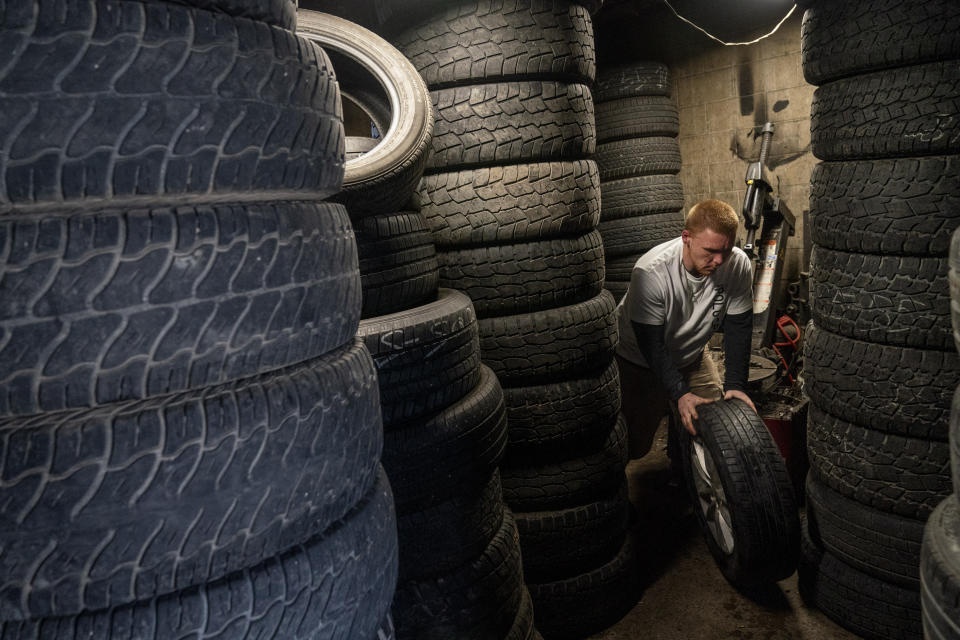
x=620, y=268
x=386, y=630
x=338, y=582
x=874, y=542
x=477, y=601
x=641, y=196
x=638, y=157
x=398, y=263
x=129, y=303
x=616, y=289
x=867, y=606
x=523, y=628
x=511, y=122
x=546, y=421
x=742, y=494
x=894, y=300
x=910, y=111
x=579, y=606
x=245, y=110
x=526, y=277
x=953, y=277
x=382, y=180
x=494, y=41
x=631, y=80
x=444, y=536
x=568, y=542
x=639, y=234
x=895, y=390
x=427, y=357
x=901, y=206
x=955, y=439
x=637, y=118
x=895, y=474
x=552, y=345
x=578, y=479
x=193, y=486
x=356, y=146
x=512, y=203
x=844, y=39
x=281, y=13
x=450, y=453
x=940, y=573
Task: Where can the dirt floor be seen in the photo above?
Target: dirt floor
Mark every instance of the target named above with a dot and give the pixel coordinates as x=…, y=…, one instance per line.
x=685, y=597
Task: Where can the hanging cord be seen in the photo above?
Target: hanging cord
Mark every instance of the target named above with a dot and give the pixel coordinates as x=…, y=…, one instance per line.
x=731, y=44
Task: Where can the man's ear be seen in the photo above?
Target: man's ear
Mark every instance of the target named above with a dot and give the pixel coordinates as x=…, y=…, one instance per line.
x=685, y=234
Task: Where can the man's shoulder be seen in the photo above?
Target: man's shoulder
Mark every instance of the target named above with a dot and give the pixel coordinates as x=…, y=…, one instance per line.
x=659, y=256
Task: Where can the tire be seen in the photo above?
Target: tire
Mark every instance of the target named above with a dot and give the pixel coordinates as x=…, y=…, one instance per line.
x=386, y=631
x=356, y=146
x=632, y=197
x=954, y=439
x=910, y=111
x=953, y=277
x=513, y=203
x=338, y=582
x=870, y=608
x=494, y=41
x=547, y=421
x=638, y=157
x=568, y=542
x=124, y=304
x=427, y=357
x=245, y=110
x=841, y=40
x=281, y=13
x=641, y=117
x=901, y=206
x=629, y=236
x=585, y=604
x=383, y=180
x=750, y=521
x=893, y=300
x=398, y=263
x=620, y=268
x=526, y=277
x=453, y=452
x=895, y=474
x=182, y=490
x=896, y=390
x=523, y=628
x=580, y=478
x=874, y=542
x=617, y=289
x=550, y=346
x=477, y=601
x=632, y=80
x=940, y=573
x=511, y=122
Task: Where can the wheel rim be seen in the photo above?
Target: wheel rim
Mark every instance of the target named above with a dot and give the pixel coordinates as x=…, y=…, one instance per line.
x=711, y=497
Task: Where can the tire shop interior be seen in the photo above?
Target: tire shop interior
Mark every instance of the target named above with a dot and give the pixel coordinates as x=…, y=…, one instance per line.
x=308, y=314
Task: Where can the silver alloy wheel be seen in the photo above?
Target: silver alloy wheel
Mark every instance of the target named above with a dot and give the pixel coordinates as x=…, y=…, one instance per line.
x=712, y=499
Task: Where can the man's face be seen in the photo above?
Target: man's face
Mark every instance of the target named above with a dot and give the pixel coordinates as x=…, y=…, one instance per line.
x=706, y=250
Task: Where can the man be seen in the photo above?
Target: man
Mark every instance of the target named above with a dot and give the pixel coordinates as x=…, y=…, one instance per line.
x=681, y=292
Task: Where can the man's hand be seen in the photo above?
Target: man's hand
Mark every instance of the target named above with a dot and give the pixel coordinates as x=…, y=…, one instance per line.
x=687, y=406
x=739, y=395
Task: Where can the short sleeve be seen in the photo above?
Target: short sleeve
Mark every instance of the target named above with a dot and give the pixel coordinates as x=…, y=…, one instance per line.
x=647, y=298
x=742, y=301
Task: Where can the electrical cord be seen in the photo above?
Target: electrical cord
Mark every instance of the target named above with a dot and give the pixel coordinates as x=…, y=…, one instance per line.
x=730, y=44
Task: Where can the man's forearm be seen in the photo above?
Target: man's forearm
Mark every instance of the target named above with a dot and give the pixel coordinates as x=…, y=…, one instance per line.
x=737, y=335
x=653, y=346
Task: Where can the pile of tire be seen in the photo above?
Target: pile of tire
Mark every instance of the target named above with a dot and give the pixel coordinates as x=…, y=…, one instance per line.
x=880, y=364
x=444, y=417
x=190, y=433
x=639, y=157
x=512, y=198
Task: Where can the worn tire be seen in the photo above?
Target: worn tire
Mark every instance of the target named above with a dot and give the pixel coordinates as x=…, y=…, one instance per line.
x=894, y=300
x=338, y=582
x=617, y=289
x=895, y=474
x=639, y=234
x=955, y=439
x=511, y=122
x=644, y=195
x=908, y=111
x=525, y=277
x=620, y=268
x=641, y=117
x=552, y=345
x=88, y=117
x=130, y=303
x=512, y=203
x=638, y=157
x=845, y=39
x=901, y=206
x=631, y=80
x=940, y=572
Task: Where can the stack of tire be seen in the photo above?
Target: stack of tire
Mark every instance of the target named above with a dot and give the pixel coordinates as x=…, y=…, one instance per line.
x=880, y=363
x=190, y=432
x=513, y=201
x=444, y=417
x=639, y=158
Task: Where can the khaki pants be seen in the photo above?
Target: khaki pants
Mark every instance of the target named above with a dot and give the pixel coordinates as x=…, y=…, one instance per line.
x=645, y=401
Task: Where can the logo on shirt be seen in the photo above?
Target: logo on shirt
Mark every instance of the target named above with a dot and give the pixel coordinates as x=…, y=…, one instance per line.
x=719, y=304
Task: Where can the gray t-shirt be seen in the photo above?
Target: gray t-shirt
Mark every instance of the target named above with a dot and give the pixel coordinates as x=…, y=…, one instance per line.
x=663, y=292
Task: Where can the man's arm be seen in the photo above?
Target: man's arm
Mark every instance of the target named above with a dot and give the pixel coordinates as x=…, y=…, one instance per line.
x=737, y=336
